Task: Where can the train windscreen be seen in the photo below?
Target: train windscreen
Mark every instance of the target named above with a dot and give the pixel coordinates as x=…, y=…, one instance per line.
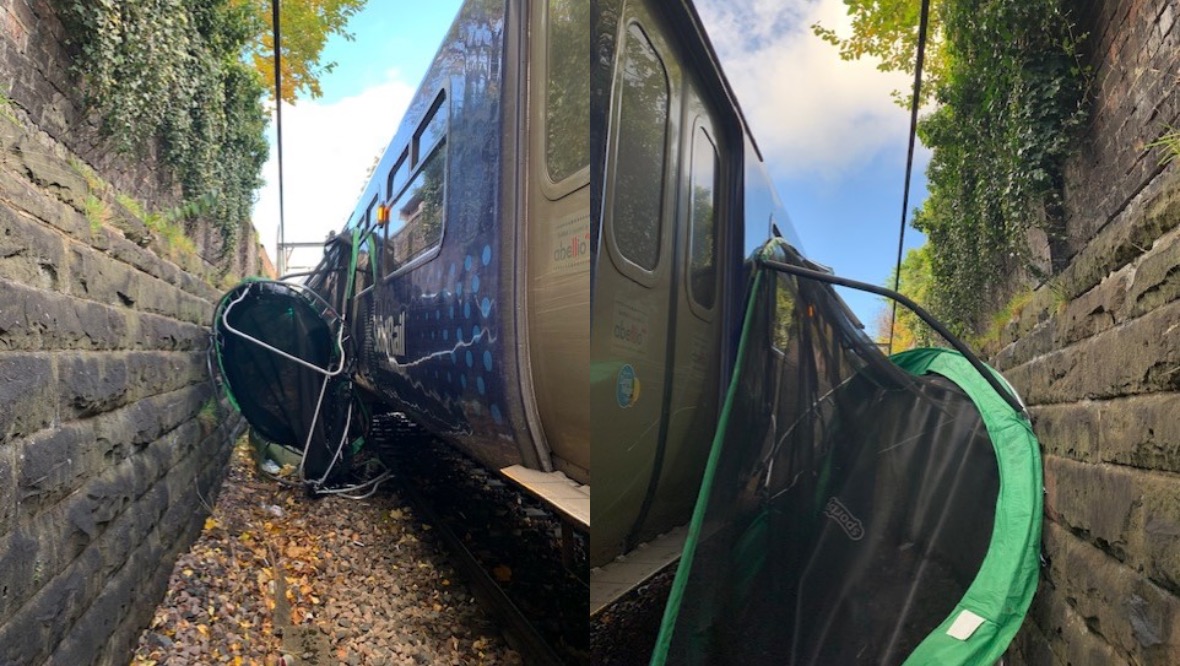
x=852, y=510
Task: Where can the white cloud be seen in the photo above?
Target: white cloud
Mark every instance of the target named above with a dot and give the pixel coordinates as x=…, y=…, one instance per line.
x=327, y=151
x=809, y=110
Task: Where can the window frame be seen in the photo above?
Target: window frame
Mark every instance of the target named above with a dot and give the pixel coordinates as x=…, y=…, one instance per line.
x=703, y=123
x=647, y=277
x=417, y=161
x=391, y=184
x=553, y=190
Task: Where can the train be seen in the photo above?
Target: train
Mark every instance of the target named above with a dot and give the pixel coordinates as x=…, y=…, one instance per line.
x=551, y=269
x=460, y=279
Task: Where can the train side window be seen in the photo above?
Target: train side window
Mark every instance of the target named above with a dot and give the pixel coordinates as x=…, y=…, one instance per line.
x=370, y=214
x=416, y=217
x=702, y=278
x=432, y=130
x=567, y=105
x=639, y=156
x=398, y=175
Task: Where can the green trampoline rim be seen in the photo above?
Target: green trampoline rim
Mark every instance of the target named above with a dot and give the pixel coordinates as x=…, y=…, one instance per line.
x=1002, y=590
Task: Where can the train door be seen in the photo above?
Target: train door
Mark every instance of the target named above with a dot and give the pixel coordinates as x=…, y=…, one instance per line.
x=693, y=343
x=556, y=242
x=655, y=316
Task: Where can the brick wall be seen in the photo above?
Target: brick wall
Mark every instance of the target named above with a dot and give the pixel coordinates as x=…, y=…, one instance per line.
x=111, y=445
x=1097, y=357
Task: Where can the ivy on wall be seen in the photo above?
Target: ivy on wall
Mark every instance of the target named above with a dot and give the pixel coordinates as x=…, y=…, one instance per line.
x=171, y=71
x=1007, y=111
x=1008, y=92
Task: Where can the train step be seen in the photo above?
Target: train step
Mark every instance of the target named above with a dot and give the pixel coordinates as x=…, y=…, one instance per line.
x=557, y=490
x=610, y=582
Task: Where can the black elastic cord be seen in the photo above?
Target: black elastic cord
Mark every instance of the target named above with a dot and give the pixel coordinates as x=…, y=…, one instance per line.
x=909, y=160
x=1003, y=391
x=278, y=34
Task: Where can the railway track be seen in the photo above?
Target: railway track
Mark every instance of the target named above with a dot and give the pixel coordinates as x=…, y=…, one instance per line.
x=507, y=545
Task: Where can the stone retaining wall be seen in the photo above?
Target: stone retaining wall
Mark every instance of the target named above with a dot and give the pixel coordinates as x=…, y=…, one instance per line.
x=112, y=445
x=1096, y=355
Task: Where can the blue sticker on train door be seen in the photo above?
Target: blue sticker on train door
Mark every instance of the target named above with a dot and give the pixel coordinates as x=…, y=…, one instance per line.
x=626, y=387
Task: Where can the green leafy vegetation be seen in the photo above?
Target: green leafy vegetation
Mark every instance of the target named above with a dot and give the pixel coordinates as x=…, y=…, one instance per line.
x=187, y=77
x=887, y=30
x=166, y=226
x=1009, y=94
x=208, y=416
x=917, y=282
x=6, y=107
x=97, y=213
x=170, y=74
x=989, y=338
x=93, y=182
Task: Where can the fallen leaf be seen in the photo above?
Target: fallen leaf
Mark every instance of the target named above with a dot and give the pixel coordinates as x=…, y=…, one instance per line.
x=502, y=573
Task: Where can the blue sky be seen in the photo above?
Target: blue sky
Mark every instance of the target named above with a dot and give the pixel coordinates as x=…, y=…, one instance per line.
x=833, y=138
x=330, y=143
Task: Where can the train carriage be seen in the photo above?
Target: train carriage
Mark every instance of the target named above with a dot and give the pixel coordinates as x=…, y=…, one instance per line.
x=826, y=503
x=471, y=314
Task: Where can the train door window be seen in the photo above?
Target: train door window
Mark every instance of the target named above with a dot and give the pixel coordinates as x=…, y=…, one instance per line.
x=702, y=276
x=567, y=105
x=639, y=155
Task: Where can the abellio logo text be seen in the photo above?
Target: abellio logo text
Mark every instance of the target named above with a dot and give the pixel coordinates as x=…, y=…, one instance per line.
x=573, y=248
x=630, y=333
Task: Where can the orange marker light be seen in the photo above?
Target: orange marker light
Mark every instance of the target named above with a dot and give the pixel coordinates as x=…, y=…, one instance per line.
x=382, y=214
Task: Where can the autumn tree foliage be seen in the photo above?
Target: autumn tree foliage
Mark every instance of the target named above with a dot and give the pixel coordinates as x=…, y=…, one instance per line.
x=306, y=26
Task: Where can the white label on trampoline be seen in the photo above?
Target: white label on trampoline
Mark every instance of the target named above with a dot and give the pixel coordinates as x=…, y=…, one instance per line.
x=964, y=625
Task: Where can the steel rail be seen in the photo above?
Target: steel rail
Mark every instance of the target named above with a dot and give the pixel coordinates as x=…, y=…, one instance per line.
x=522, y=634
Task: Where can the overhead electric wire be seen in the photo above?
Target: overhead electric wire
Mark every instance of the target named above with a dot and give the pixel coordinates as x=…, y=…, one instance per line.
x=278, y=34
x=909, y=160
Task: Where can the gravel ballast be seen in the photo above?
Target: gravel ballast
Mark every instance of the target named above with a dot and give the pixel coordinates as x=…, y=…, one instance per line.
x=278, y=578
